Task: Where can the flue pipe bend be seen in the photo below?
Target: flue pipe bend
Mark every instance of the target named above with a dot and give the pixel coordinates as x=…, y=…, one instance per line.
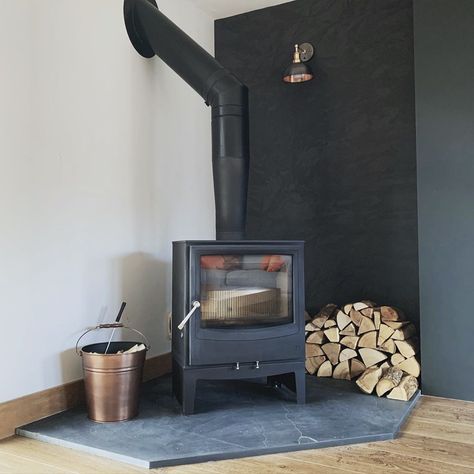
x=152, y=33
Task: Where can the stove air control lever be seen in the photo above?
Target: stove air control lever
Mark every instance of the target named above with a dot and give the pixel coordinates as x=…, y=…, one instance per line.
x=196, y=305
x=237, y=366
x=257, y=364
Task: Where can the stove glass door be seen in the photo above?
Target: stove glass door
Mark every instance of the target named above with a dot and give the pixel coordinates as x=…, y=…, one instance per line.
x=246, y=290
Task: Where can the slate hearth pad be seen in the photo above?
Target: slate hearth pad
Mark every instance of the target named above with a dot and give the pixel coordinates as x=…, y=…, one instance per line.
x=233, y=419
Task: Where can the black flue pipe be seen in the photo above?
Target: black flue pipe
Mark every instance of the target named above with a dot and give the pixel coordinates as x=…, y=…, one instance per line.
x=152, y=33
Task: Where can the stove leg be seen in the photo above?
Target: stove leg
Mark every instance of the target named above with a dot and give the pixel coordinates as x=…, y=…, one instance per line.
x=300, y=383
x=188, y=394
x=294, y=381
x=184, y=388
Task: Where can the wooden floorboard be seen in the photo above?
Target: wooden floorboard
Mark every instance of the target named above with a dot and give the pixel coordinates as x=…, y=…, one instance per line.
x=369, y=460
x=431, y=409
x=430, y=448
x=438, y=438
x=455, y=432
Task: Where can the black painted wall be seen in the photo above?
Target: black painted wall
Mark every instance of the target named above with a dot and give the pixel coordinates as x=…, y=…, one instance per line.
x=333, y=160
x=444, y=54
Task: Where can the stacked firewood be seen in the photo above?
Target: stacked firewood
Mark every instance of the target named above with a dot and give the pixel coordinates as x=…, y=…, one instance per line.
x=374, y=344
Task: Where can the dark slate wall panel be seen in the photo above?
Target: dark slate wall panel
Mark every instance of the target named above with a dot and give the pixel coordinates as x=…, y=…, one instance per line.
x=444, y=53
x=333, y=160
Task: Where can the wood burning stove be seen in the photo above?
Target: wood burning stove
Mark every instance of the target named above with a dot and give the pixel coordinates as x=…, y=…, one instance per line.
x=248, y=319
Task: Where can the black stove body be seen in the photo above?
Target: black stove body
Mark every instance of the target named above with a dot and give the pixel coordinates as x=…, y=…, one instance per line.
x=248, y=319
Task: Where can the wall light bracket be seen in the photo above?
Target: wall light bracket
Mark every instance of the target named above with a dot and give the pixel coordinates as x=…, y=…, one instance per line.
x=306, y=51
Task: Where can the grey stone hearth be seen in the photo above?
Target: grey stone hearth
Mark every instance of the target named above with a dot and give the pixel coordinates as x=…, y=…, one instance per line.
x=233, y=419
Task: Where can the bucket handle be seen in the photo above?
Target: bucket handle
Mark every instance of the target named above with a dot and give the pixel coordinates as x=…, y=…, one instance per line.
x=111, y=326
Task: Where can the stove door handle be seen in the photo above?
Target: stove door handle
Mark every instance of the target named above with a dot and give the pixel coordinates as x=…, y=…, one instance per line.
x=196, y=305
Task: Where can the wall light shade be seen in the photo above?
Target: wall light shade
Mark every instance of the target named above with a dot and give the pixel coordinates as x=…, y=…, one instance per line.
x=298, y=71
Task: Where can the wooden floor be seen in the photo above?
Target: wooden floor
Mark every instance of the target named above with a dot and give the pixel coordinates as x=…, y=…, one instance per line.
x=438, y=438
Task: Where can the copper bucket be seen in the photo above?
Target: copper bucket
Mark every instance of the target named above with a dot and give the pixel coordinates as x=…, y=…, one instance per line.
x=112, y=381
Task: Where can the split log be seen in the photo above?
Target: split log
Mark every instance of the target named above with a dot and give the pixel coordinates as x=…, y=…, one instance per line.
x=405, y=390
x=341, y=371
x=371, y=357
x=389, y=313
x=386, y=365
x=388, y=346
x=319, y=321
x=348, y=330
x=310, y=327
x=347, y=354
x=332, y=334
x=350, y=341
x=360, y=305
x=369, y=339
x=396, y=324
x=342, y=320
x=325, y=313
x=377, y=319
x=325, y=369
x=332, y=350
x=316, y=337
x=369, y=379
x=367, y=312
x=384, y=333
x=404, y=333
x=357, y=368
x=366, y=325
x=329, y=324
x=327, y=310
x=356, y=317
x=312, y=350
x=411, y=366
x=390, y=379
x=347, y=308
x=396, y=358
x=406, y=348
x=312, y=364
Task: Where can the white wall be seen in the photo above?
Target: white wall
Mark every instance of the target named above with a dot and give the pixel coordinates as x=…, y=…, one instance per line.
x=105, y=159
x=223, y=8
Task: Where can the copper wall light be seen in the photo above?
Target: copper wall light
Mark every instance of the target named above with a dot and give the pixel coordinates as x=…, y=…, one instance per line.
x=298, y=71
